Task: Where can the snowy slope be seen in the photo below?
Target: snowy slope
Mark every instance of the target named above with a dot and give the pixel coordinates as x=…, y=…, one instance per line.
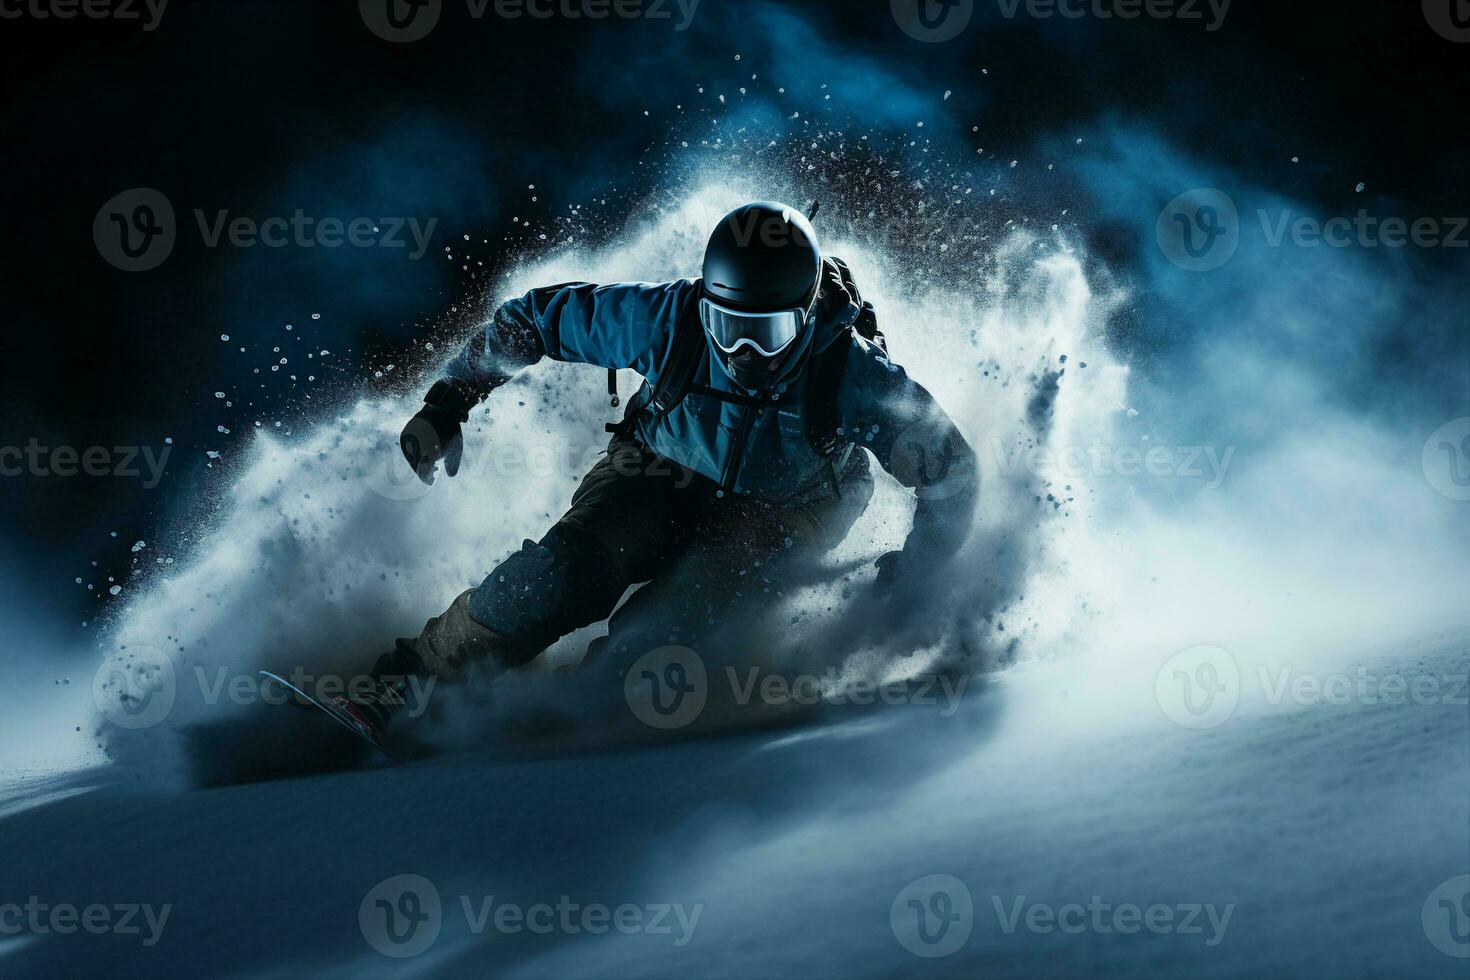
x=1324, y=834
x=1324, y=826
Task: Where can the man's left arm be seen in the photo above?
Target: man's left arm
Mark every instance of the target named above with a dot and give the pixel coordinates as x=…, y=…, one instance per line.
x=914, y=439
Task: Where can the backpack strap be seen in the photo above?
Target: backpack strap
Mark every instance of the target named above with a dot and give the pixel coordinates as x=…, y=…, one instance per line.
x=686, y=354
x=687, y=351
x=824, y=379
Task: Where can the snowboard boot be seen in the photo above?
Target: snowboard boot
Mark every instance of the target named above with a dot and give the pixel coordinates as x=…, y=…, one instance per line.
x=455, y=642
x=450, y=645
x=369, y=711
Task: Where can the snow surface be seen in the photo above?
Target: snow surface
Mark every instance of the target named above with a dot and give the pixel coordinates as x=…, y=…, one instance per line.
x=1326, y=828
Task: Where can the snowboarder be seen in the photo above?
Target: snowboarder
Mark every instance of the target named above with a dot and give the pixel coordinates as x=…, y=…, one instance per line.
x=735, y=464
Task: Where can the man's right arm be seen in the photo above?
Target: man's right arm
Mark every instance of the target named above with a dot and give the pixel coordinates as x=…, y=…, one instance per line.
x=616, y=326
x=624, y=325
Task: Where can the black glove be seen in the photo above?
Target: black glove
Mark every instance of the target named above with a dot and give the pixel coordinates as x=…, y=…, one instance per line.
x=434, y=433
x=890, y=571
x=837, y=297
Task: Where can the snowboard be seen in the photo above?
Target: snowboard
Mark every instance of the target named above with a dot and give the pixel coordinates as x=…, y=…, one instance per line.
x=339, y=717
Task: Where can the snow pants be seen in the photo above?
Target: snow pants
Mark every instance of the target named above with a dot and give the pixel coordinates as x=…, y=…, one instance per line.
x=706, y=561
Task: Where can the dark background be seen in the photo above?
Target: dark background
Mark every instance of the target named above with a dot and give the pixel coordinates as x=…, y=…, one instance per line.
x=266, y=106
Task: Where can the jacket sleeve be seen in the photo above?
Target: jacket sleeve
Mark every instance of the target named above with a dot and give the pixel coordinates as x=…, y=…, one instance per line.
x=624, y=325
x=885, y=411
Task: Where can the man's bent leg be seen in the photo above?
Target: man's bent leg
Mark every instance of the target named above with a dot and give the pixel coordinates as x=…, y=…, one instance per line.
x=744, y=557
x=612, y=536
x=544, y=591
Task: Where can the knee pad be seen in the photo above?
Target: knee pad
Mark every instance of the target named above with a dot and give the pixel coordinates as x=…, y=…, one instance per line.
x=549, y=588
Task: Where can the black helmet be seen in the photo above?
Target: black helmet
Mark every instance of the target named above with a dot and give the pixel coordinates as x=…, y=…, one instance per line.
x=762, y=270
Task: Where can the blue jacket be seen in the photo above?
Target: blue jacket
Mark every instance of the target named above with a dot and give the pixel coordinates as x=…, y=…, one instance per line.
x=631, y=325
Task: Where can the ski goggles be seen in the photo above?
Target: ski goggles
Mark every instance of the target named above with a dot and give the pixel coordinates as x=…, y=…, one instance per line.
x=768, y=334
